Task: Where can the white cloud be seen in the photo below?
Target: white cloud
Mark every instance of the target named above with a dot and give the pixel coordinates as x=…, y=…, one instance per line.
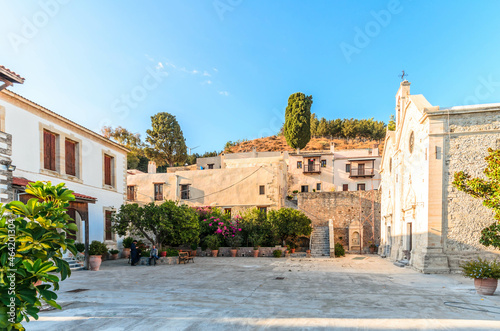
x=224, y=93
x=206, y=74
x=208, y=82
x=159, y=66
x=215, y=69
x=194, y=72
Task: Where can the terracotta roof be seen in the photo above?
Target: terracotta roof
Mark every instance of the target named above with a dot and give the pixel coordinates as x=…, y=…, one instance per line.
x=11, y=74
x=62, y=118
x=20, y=181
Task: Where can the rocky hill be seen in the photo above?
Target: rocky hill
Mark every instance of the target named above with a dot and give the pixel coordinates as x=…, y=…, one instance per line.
x=278, y=143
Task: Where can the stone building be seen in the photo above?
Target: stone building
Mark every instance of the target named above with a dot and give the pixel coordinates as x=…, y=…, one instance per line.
x=41, y=145
x=426, y=222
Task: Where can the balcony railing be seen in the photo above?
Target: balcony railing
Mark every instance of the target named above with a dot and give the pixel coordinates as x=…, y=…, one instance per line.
x=362, y=172
x=312, y=168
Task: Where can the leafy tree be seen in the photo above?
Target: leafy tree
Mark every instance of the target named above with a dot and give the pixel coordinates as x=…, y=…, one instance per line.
x=314, y=125
x=392, y=123
x=33, y=237
x=128, y=139
x=298, y=120
x=378, y=130
x=322, y=128
x=167, y=143
x=488, y=190
x=257, y=228
x=289, y=224
x=350, y=128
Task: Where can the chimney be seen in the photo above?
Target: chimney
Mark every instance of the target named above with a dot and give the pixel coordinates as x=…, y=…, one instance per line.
x=332, y=147
x=375, y=150
x=151, y=167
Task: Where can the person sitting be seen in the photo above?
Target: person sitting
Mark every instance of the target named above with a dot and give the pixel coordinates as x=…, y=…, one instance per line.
x=153, y=255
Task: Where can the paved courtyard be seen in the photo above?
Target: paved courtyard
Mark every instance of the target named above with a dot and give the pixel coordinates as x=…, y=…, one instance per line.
x=269, y=294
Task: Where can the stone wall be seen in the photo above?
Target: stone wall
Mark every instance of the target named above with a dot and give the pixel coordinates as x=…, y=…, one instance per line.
x=467, y=145
x=242, y=251
x=344, y=209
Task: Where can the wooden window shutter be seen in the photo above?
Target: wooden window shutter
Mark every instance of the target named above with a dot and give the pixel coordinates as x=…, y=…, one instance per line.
x=108, y=225
x=107, y=170
x=49, y=150
x=70, y=148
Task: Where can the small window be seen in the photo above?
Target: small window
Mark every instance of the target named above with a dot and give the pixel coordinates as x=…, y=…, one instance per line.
x=108, y=170
x=210, y=166
x=318, y=186
x=411, y=142
x=345, y=187
x=131, y=193
x=299, y=164
x=263, y=210
x=70, y=148
x=227, y=211
x=361, y=187
x=390, y=165
x=159, y=192
x=108, y=232
x=49, y=150
x=348, y=167
x=304, y=188
x=323, y=163
x=184, y=192
x=262, y=190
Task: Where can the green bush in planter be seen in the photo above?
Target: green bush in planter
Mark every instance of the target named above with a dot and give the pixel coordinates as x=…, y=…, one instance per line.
x=127, y=242
x=80, y=247
x=172, y=252
x=194, y=246
x=339, y=250
x=114, y=251
x=481, y=269
x=213, y=242
x=277, y=253
x=97, y=248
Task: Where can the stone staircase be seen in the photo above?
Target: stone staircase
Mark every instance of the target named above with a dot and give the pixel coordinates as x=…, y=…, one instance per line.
x=74, y=264
x=320, y=244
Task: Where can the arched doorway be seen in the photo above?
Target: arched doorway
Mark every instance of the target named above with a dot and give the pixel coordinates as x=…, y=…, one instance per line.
x=80, y=223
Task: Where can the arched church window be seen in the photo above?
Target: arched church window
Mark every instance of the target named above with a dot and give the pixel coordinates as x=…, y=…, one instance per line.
x=411, y=142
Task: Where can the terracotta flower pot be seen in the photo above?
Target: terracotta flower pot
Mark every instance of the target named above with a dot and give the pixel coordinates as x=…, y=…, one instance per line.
x=485, y=286
x=126, y=253
x=114, y=256
x=255, y=253
x=95, y=262
x=192, y=252
x=234, y=252
x=215, y=252
x=308, y=253
x=163, y=254
x=292, y=250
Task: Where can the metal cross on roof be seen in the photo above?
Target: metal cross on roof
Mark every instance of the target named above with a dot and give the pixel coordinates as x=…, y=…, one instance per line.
x=403, y=75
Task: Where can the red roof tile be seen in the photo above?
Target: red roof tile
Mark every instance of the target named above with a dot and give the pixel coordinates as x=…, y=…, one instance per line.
x=12, y=73
x=20, y=181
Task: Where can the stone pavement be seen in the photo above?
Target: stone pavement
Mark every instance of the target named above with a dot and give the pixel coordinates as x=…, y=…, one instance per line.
x=269, y=294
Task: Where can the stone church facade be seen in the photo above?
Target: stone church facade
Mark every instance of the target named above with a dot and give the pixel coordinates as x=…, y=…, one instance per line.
x=424, y=218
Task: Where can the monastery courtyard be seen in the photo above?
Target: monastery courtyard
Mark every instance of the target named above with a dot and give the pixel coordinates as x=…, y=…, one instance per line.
x=350, y=293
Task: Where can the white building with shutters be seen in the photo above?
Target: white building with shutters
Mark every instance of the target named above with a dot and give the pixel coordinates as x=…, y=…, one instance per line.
x=46, y=146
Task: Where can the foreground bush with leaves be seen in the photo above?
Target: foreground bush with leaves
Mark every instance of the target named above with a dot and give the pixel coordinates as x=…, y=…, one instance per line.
x=33, y=237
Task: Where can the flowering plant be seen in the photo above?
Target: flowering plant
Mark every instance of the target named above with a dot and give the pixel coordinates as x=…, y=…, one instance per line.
x=481, y=269
x=230, y=232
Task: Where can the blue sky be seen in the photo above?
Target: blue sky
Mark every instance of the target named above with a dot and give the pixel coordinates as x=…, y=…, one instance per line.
x=225, y=68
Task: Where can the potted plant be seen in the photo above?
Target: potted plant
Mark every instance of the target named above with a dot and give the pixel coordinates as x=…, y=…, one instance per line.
x=277, y=253
x=114, y=254
x=194, y=247
x=127, y=242
x=234, y=241
x=80, y=247
x=372, y=248
x=213, y=242
x=256, y=240
x=163, y=253
x=485, y=274
x=96, y=250
x=292, y=246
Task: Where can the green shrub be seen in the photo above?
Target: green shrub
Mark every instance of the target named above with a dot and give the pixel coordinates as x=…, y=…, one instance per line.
x=339, y=250
x=277, y=253
x=114, y=251
x=481, y=269
x=213, y=242
x=97, y=248
x=172, y=252
x=146, y=253
x=194, y=246
x=127, y=242
x=80, y=247
x=33, y=238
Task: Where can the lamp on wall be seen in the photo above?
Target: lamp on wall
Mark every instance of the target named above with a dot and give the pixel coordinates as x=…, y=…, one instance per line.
x=11, y=167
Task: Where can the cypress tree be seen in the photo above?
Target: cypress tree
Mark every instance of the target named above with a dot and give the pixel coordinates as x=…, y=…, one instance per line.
x=298, y=120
